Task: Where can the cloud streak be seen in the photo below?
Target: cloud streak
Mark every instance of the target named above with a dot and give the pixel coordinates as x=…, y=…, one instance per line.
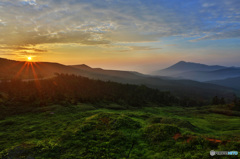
x=106, y=22
x=139, y=48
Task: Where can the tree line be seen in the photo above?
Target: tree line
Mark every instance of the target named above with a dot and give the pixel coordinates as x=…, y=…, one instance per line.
x=71, y=89
x=65, y=89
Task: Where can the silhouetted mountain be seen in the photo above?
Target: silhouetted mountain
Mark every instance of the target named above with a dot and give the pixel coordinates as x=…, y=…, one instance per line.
x=82, y=66
x=228, y=71
x=111, y=73
x=182, y=88
x=229, y=82
x=210, y=75
x=31, y=70
x=183, y=66
x=199, y=72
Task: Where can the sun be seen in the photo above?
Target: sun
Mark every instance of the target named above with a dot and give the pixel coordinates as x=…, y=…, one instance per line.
x=29, y=58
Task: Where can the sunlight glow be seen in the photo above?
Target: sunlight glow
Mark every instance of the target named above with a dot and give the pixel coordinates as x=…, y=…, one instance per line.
x=29, y=58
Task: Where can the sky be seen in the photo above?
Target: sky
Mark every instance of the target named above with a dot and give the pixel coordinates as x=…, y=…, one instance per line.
x=138, y=35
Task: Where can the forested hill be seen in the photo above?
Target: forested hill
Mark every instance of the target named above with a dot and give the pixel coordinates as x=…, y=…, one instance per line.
x=10, y=69
x=72, y=89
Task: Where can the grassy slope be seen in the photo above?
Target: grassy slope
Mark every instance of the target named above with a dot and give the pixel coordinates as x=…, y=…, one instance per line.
x=83, y=131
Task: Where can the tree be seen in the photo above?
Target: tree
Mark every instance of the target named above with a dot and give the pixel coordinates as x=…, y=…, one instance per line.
x=222, y=101
x=235, y=100
x=215, y=100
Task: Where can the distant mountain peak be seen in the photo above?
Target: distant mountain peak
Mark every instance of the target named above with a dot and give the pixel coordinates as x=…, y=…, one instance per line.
x=189, y=63
x=81, y=66
x=181, y=67
x=181, y=62
x=186, y=65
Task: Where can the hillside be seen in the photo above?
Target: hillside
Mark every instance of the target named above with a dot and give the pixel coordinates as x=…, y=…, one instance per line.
x=210, y=75
x=10, y=69
x=181, y=88
x=229, y=82
x=31, y=70
x=98, y=72
x=70, y=116
x=87, y=131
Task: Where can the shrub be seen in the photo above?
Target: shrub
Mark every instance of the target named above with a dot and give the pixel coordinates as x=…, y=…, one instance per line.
x=173, y=121
x=157, y=133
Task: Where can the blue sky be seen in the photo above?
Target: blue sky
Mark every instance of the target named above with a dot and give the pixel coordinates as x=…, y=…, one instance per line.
x=141, y=35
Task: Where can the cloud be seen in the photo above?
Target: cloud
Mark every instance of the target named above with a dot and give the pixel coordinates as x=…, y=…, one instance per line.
x=94, y=22
x=139, y=48
x=220, y=35
x=208, y=4
x=8, y=54
x=29, y=2
x=18, y=49
x=171, y=45
x=2, y=23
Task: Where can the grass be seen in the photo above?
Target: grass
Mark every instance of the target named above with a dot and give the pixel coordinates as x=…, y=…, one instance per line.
x=82, y=131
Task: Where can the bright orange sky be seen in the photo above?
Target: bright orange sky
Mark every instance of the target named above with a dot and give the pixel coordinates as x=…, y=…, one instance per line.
x=130, y=35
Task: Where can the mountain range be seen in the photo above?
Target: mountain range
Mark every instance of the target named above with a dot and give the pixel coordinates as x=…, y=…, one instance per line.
x=220, y=75
x=181, y=87
x=199, y=72
x=186, y=67
x=229, y=82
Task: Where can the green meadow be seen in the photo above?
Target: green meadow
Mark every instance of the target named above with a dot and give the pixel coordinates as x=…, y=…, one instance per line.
x=114, y=131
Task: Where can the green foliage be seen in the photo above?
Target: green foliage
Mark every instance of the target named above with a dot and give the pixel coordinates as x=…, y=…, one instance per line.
x=75, y=117
x=225, y=112
x=236, y=104
x=217, y=101
x=173, y=121
x=82, y=131
x=66, y=90
x=157, y=132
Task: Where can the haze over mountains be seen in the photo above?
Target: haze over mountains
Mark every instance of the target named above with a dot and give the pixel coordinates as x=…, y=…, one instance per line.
x=39, y=70
x=229, y=82
x=184, y=67
x=221, y=75
x=199, y=72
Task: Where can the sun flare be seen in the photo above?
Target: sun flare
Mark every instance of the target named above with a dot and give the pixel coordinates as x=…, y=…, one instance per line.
x=29, y=58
